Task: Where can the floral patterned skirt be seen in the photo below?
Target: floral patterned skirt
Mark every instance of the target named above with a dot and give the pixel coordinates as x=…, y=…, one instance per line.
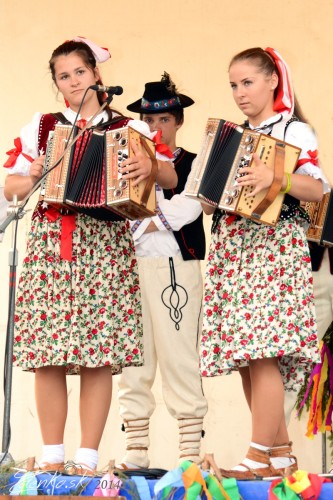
x=258, y=300
x=84, y=312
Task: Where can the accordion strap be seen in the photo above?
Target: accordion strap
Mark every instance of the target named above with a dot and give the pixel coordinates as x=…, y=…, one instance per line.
x=151, y=180
x=61, y=118
x=276, y=184
x=112, y=121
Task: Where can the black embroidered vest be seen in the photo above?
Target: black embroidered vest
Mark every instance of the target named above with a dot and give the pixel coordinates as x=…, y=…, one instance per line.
x=191, y=237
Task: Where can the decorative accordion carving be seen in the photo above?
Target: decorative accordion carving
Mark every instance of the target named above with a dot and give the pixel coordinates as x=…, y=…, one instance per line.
x=87, y=178
x=321, y=220
x=134, y=202
x=225, y=149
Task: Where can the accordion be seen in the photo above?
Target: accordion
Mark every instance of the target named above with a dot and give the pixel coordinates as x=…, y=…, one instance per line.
x=321, y=220
x=225, y=149
x=87, y=178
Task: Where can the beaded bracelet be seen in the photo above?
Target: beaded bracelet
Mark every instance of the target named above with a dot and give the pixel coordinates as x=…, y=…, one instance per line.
x=288, y=186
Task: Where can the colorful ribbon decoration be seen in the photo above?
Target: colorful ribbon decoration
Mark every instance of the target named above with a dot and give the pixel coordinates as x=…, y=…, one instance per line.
x=160, y=146
x=298, y=485
x=142, y=487
x=26, y=485
x=231, y=488
x=15, y=153
x=197, y=483
x=68, y=225
x=193, y=480
x=228, y=490
x=320, y=417
x=171, y=480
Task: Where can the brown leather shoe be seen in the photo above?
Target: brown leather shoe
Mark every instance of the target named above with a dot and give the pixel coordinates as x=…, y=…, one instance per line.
x=251, y=473
x=58, y=468
x=285, y=451
x=74, y=469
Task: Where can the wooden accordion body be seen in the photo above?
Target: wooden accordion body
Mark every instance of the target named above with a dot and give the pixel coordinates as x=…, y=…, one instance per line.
x=134, y=202
x=226, y=148
x=87, y=178
x=321, y=220
x=53, y=186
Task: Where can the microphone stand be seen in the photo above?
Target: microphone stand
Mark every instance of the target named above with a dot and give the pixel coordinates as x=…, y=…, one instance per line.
x=5, y=456
x=16, y=212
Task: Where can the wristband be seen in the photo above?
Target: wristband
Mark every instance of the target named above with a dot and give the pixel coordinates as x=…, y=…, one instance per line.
x=288, y=186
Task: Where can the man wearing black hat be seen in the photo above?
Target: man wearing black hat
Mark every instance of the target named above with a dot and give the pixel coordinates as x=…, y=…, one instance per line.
x=169, y=248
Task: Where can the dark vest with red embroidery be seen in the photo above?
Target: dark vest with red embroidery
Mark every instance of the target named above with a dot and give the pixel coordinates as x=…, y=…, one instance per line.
x=191, y=237
x=48, y=122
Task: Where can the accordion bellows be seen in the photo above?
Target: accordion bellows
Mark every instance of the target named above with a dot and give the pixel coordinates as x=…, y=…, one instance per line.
x=225, y=149
x=87, y=178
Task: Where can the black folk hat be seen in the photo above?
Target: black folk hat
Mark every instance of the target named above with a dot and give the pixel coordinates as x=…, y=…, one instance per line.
x=160, y=97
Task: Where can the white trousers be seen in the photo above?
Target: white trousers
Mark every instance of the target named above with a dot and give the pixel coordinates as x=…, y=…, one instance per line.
x=174, y=350
x=323, y=294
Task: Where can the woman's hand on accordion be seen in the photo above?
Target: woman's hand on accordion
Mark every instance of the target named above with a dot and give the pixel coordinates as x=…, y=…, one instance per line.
x=258, y=175
x=36, y=168
x=20, y=185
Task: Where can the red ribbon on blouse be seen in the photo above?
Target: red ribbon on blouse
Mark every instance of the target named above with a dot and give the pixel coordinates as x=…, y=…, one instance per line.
x=68, y=225
x=15, y=153
x=81, y=123
x=160, y=146
x=313, y=159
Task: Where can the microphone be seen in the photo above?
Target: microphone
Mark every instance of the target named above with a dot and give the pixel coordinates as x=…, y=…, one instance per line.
x=109, y=90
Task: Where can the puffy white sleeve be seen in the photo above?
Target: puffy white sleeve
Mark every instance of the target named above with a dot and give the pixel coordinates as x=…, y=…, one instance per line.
x=175, y=213
x=303, y=136
x=25, y=148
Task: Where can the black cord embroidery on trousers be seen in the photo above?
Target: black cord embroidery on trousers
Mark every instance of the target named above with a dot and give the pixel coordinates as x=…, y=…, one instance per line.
x=174, y=297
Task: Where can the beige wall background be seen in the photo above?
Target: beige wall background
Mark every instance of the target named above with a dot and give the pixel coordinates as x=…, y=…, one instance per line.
x=193, y=40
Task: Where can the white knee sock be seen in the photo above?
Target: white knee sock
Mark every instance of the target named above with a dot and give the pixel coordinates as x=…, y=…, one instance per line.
x=281, y=462
x=252, y=464
x=52, y=454
x=87, y=458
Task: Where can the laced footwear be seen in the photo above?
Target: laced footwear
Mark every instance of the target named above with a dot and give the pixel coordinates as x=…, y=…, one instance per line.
x=254, y=473
x=33, y=466
x=137, y=443
x=58, y=468
x=190, y=434
x=127, y=467
x=74, y=469
x=284, y=451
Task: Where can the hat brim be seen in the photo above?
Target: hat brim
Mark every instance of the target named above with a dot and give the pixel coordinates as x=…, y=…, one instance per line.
x=137, y=108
